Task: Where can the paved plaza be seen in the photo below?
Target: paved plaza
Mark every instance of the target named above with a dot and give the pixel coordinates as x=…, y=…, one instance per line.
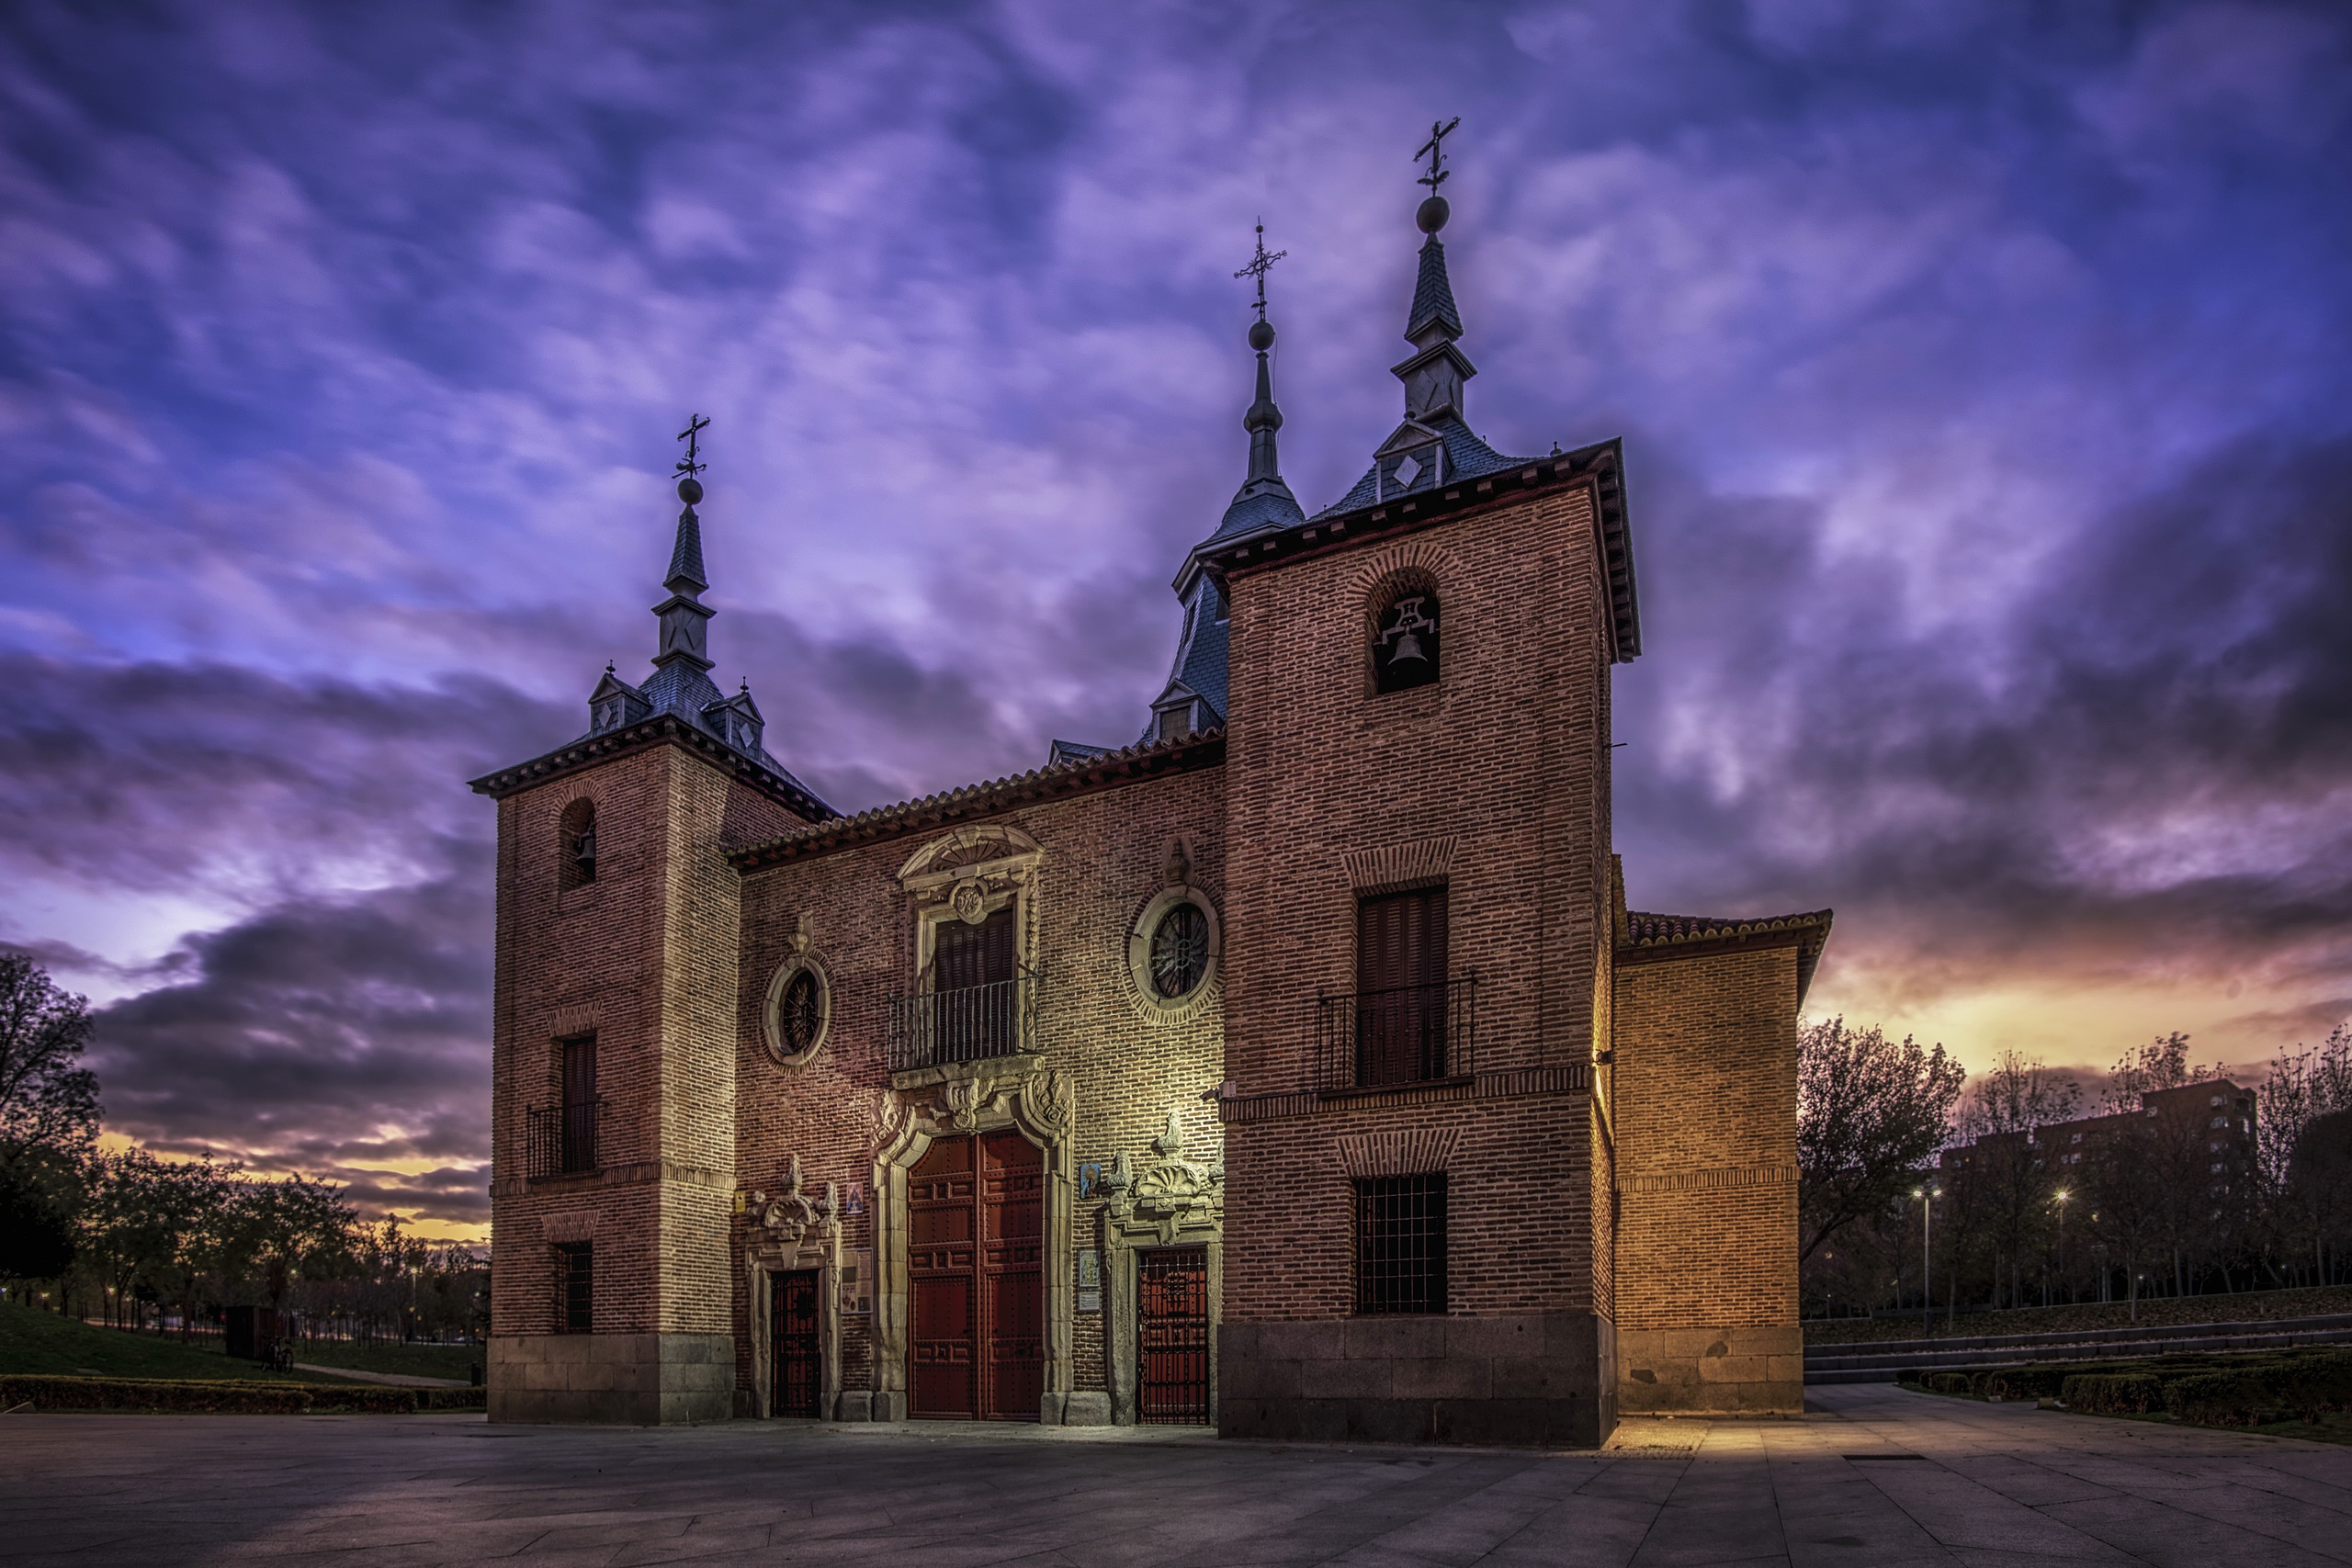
x=1875, y=1476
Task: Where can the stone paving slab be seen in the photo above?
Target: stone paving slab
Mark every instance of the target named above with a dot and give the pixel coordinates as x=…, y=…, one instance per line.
x=1872, y=1475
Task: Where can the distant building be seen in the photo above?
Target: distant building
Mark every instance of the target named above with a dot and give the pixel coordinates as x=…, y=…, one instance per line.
x=2217, y=1112
x=1296, y=1068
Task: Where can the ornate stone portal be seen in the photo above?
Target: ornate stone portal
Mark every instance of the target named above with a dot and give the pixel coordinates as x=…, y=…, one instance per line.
x=790, y=1232
x=1172, y=1201
x=975, y=1097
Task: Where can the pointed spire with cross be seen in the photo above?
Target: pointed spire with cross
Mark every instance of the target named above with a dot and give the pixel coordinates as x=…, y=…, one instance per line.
x=684, y=618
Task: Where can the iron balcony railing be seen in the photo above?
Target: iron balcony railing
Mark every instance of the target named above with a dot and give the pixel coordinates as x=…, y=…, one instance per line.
x=563, y=1139
x=970, y=1024
x=1407, y=1034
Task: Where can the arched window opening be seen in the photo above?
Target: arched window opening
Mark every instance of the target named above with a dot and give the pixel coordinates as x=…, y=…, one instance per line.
x=576, y=847
x=1405, y=648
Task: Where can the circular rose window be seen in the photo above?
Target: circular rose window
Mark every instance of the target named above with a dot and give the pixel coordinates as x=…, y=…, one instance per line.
x=1180, y=950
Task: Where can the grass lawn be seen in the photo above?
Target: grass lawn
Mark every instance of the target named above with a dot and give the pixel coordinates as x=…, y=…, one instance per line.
x=34, y=1342
x=410, y=1360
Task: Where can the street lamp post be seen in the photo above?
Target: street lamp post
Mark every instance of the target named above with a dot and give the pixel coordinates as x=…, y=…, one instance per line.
x=2063, y=1196
x=1927, y=1196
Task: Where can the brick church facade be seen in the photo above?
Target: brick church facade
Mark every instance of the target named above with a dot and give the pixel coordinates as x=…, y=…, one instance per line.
x=1237, y=1076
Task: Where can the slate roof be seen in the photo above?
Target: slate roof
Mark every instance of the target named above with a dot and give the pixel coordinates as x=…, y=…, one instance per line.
x=685, y=556
x=1275, y=508
x=1432, y=293
x=1466, y=457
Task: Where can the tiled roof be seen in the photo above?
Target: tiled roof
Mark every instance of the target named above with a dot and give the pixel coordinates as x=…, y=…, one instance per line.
x=1644, y=929
x=1657, y=934
x=1143, y=760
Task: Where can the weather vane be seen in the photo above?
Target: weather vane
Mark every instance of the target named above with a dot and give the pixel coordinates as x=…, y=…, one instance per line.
x=1260, y=265
x=1434, y=151
x=692, y=436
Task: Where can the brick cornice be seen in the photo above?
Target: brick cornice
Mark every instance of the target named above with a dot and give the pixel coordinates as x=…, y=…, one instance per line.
x=1136, y=764
x=661, y=730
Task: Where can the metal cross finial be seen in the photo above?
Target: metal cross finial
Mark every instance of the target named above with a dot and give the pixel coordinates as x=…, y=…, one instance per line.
x=1258, y=266
x=1434, y=151
x=692, y=436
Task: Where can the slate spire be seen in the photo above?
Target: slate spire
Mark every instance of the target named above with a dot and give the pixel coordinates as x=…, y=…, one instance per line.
x=1433, y=376
x=684, y=618
x=1263, y=498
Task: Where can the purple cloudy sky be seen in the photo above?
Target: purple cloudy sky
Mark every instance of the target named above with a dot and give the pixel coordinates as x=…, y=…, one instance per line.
x=1983, y=371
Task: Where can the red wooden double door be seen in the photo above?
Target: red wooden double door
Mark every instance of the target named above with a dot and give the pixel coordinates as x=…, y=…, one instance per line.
x=976, y=1255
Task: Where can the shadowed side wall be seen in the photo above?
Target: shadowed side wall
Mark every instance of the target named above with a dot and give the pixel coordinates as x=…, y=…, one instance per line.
x=1705, y=1091
x=643, y=959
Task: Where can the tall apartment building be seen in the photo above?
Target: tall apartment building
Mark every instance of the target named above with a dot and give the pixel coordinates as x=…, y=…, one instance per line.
x=1296, y=1069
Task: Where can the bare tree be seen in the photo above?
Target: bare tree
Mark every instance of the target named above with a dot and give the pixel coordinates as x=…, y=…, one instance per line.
x=2008, y=1187
x=1871, y=1115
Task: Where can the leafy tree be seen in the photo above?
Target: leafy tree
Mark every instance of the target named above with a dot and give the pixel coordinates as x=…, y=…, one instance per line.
x=36, y=1226
x=48, y=1100
x=1871, y=1115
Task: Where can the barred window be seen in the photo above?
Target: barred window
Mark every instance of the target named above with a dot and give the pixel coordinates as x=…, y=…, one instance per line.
x=575, y=1287
x=1400, y=1244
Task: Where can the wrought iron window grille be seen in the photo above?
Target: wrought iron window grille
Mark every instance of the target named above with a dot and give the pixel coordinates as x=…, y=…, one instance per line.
x=563, y=1139
x=1400, y=1244
x=967, y=1023
x=1404, y=1035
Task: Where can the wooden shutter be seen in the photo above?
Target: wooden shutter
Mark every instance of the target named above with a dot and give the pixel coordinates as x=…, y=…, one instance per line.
x=973, y=955
x=1400, y=939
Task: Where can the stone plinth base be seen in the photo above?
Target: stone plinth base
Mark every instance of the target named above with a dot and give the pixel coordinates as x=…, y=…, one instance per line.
x=1548, y=1380
x=643, y=1379
x=1710, y=1372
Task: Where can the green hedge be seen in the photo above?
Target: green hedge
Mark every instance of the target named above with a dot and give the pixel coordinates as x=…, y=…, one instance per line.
x=2113, y=1394
x=227, y=1398
x=2288, y=1388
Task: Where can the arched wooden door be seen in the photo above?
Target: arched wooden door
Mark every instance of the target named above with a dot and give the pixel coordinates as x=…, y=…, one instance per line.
x=975, y=1254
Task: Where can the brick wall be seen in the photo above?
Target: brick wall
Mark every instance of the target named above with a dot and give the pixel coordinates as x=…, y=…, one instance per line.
x=1494, y=780
x=1705, y=1112
x=643, y=957
x=1105, y=857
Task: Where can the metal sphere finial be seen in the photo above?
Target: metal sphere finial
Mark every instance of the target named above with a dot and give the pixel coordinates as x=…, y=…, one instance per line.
x=1261, y=335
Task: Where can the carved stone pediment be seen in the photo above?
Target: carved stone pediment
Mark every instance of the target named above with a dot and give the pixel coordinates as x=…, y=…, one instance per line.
x=969, y=1096
x=788, y=1221
x=1172, y=1194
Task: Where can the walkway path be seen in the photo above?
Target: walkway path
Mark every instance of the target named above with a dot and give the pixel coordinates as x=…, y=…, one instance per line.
x=1878, y=1476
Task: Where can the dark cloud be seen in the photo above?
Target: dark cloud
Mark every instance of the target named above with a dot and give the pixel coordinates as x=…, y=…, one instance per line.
x=325, y=1036
x=2150, y=749
x=1982, y=371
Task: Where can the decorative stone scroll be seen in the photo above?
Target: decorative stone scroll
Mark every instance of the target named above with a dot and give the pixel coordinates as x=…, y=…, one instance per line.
x=789, y=1218
x=1171, y=1194
x=1164, y=1199
x=788, y=1230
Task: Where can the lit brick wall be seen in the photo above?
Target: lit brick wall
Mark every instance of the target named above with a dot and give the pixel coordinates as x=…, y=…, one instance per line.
x=1705, y=1104
x=1105, y=855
